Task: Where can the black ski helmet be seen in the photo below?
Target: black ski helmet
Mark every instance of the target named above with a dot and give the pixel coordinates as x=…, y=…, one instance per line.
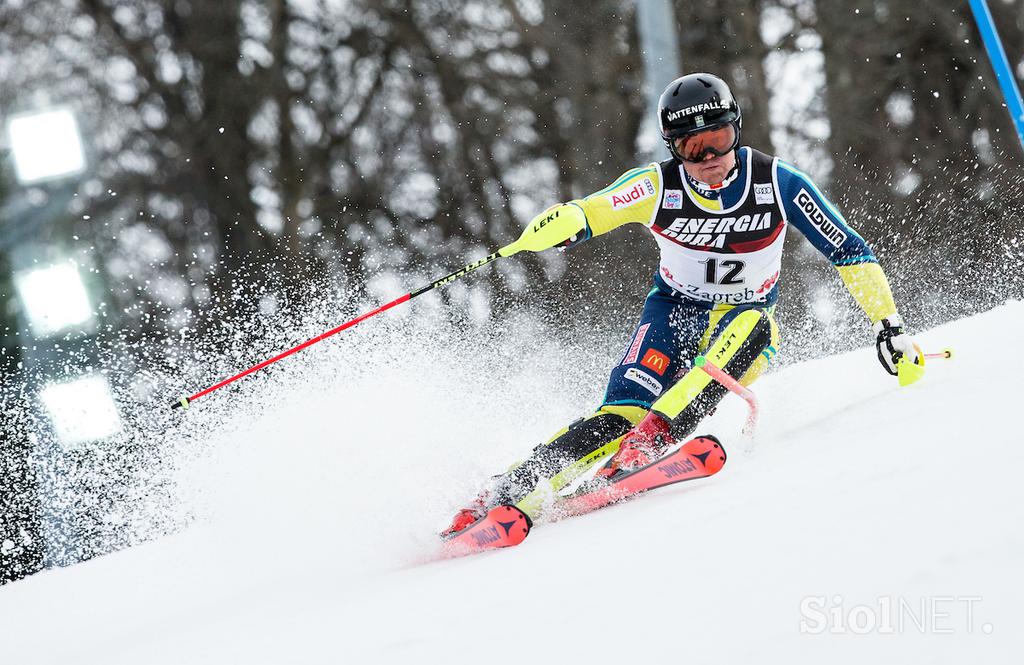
x=694, y=103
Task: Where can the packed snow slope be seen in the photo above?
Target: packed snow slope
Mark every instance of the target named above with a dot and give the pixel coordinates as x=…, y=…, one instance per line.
x=862, y=523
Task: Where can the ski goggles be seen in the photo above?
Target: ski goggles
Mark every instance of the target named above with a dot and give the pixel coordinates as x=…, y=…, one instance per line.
x=717, y=141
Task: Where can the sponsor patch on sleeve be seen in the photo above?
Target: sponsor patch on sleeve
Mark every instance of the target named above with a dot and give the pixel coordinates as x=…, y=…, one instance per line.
x=818, y=219
x=645, y=380
x=644, y=189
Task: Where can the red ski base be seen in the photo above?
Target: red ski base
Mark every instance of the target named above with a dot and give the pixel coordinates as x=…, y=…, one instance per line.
x=697, y=458
x=503, y=526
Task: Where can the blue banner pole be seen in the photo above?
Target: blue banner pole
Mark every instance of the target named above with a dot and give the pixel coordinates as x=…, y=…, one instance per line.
x=997, y=56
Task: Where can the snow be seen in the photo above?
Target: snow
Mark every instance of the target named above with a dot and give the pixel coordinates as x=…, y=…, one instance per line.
x=854, y=496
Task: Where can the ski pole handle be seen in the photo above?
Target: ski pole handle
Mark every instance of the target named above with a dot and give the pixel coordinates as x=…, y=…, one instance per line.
x=945, y=354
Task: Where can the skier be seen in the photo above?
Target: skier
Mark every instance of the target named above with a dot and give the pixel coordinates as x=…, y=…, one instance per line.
x=719, y=212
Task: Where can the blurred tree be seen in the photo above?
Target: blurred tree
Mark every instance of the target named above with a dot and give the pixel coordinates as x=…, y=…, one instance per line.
x=724, y=38
x=923, y=148
x=244, y=138
x=20, y=547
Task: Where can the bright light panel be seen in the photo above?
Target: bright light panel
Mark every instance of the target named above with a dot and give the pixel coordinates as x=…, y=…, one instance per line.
x=54, y=298
x=46, y=145
x=81, y=410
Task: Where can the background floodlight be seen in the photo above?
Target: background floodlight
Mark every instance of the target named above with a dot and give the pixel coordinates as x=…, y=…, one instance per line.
x=46, y=145
x=81, y=410
x=54, y=298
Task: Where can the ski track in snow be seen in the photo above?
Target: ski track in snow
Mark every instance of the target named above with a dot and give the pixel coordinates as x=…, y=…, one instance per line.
x=852, y=488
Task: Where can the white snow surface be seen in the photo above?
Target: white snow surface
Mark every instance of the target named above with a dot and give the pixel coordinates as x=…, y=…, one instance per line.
x=853, y=496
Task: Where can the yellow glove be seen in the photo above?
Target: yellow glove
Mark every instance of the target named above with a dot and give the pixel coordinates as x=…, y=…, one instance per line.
x=561, y=225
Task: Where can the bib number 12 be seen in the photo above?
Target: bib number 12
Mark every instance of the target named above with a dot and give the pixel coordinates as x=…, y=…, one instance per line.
x=725, y=273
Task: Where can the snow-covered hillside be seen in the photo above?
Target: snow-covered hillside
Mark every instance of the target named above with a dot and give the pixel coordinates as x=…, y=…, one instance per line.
x=863, y=523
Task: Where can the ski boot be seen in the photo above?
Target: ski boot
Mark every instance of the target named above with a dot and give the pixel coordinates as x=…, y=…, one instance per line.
x=643, y=444
x=468, y=516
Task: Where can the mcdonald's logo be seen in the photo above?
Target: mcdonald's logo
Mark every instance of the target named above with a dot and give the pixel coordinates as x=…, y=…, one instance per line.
x=655, y=360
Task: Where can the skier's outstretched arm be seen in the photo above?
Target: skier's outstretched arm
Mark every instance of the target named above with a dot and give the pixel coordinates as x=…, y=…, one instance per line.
x=825, y=227
x=632, y=198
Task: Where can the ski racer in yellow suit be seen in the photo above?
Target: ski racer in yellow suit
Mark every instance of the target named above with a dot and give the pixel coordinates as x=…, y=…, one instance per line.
x=719, y=212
